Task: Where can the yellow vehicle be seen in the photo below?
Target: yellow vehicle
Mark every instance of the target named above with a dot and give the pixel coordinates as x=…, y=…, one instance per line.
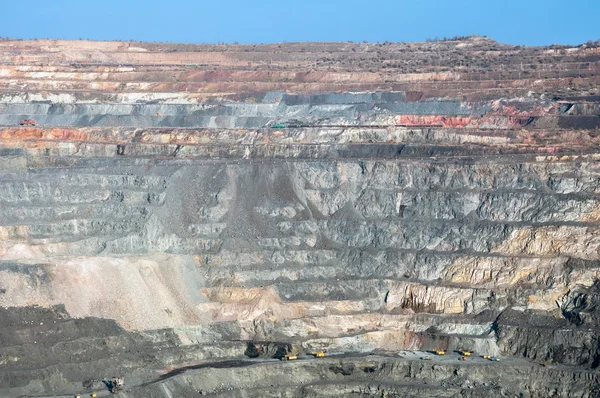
x=158, y=114
x=318, y=354
x=289, y=357
x=440, y=352
x=466, y=353
x=462, y=358
x=486, y=356
x=94, y=395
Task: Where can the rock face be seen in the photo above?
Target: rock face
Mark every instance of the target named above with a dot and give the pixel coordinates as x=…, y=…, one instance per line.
x=180, y=215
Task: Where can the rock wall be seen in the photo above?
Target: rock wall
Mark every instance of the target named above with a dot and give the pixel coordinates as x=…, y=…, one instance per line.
x=171, y=207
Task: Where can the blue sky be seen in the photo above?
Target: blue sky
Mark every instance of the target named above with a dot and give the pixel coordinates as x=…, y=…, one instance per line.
x=530, y=22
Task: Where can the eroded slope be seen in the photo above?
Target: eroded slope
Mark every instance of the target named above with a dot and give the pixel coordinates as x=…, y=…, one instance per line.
x=186, y=207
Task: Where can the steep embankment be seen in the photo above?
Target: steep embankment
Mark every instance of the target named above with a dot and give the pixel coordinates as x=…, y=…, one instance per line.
x=180, y=206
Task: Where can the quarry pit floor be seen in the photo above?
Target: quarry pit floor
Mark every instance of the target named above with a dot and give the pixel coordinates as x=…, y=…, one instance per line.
x=136, y=385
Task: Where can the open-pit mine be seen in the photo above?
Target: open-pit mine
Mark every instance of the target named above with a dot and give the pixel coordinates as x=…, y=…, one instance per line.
x=299, y=219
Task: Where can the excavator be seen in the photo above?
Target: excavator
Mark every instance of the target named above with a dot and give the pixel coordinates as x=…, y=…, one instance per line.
x=116, y=384
x=28, y=122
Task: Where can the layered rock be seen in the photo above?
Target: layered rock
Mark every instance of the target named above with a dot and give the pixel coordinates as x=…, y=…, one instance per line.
x=179, y=206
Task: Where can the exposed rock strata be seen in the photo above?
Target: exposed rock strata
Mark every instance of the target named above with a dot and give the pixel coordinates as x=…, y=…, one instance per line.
x=183, y=205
